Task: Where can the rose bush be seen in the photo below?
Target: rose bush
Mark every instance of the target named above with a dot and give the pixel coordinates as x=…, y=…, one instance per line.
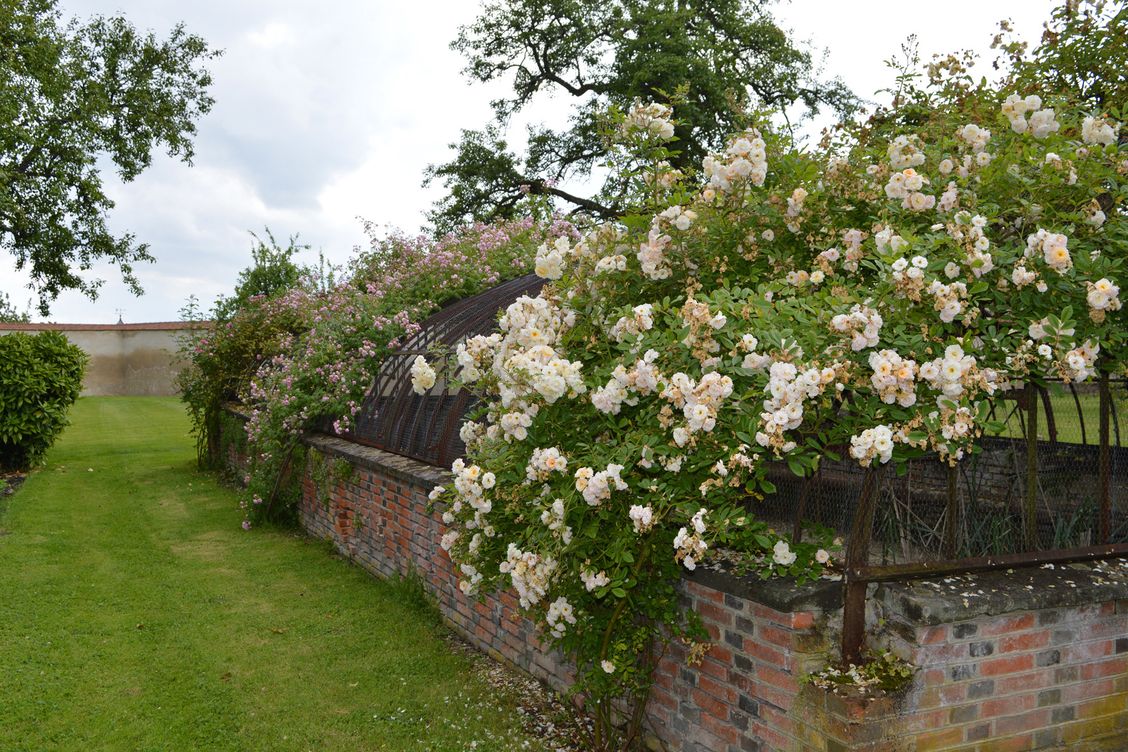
x=310, y=353
x=870, y=298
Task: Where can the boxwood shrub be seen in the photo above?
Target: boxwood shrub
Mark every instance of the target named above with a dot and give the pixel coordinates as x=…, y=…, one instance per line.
x=40, y=378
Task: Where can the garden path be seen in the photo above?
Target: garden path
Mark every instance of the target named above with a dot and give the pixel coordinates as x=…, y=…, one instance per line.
x=136, y=614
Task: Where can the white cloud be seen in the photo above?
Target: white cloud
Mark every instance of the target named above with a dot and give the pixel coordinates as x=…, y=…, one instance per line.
x=274, y=34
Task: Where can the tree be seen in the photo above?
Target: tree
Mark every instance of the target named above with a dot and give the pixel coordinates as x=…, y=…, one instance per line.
x=71, y=93
x=9, y=313
x=1083, y=53
x=717, y=59
x=271, y=273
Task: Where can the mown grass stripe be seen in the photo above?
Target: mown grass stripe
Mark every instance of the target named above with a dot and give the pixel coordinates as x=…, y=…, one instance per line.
x=135, y=614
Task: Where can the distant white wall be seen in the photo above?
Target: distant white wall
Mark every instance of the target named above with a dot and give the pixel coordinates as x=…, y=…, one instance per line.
x=125, y=359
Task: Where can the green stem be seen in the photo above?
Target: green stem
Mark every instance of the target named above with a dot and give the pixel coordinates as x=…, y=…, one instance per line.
x=604, y=712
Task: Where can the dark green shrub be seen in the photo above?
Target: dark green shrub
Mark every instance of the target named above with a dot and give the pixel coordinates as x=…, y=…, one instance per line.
x=40, y=378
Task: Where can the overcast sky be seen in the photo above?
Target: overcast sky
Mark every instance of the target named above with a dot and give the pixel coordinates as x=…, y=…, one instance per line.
x=326, y=111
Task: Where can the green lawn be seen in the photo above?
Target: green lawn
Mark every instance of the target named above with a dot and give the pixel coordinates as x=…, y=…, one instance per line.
x=135, y=614
x=1069, y=420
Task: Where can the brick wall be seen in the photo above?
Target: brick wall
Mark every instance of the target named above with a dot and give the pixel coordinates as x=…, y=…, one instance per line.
x=1014, y=660
x=1034, y=660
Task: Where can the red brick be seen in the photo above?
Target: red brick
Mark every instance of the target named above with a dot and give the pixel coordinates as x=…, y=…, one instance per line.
x=778, y=679
x=706, y=593
x=720, y=653
x=1091, y=671
x=774, y=635
x=802, y=620
x=742, y=682
x=1007, y=624
x=764, y=653
x=710, y=704
x=1005, y=706
x=771, y=738
x=721, y=690
x=1025, y=641
x=713, y=668
x=933, y=676
x=780, y=698
x=715, y=614
x=953, y=694
x=764, y=613
x=1024, y=682
x=1081, y=652
x=1114, y=627
x=1087, y=690
x=663, y=699
x=932, y=635
x=1011, y=665
x=721, y=728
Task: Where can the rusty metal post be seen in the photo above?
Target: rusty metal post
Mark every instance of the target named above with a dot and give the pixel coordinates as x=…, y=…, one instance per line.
x=1048, y=410
x=801, y=510
x=1030, y=506
x=951, y=512
x=857, y=559
x=1105, y=471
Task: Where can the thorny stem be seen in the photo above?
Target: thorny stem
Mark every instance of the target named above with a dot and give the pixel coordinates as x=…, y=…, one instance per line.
x=603, y=720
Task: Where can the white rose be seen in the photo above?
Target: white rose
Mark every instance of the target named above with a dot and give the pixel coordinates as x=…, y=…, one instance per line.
x=782, y=554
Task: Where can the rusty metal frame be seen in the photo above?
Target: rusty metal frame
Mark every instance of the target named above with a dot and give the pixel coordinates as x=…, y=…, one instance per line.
x=860, y=574
x=426, y=427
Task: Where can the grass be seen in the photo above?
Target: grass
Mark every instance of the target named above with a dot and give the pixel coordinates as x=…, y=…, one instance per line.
x=135, y=614
x=1069, y=419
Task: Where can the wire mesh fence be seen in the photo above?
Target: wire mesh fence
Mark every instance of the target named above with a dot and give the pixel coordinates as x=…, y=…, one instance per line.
x=1012, y=495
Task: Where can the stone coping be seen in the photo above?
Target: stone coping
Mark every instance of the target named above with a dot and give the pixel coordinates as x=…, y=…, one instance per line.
x=780, y=594
x=943, y=600
x=371, y=458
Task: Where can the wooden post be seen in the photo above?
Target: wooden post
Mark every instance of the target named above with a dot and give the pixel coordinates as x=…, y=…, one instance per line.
x=1105, y=471
x=951, y=512
x=857, y=559
x=1030, y=507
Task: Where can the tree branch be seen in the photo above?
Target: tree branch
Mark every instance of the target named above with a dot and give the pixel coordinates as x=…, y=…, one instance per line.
x=542, y=188
x=544, y=73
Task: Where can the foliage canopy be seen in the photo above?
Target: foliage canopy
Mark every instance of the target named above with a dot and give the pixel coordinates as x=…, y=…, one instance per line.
x=70, y=94
x=716, y=59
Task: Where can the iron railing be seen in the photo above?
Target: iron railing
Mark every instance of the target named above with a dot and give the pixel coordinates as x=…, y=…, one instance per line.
x=426, y=427
x=1051, y=485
